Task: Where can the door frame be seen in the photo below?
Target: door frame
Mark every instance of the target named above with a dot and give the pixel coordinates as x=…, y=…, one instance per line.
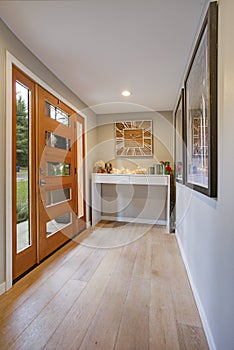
x=25, y=259
x=10, y=60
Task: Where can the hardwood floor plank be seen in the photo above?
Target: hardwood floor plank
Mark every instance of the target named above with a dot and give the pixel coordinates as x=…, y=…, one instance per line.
x=127, y=261
x=134, y=326
x=163, y=331
x=183, y=300
x=15, y=322
x=70, y=333
x=49, y=318
x=103, y=330
x=191, y=338
x=104, y=327
x=112, y=235
x=142, y=267
x=136, y=296
x=162, y=320
x=167, y=264
x=25, y=287
x=88, y=268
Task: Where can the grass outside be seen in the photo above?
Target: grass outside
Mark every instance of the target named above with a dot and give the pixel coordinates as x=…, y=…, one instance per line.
x=22, y=201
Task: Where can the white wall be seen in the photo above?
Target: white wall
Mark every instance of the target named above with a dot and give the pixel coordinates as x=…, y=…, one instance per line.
x=9, y=42
x=205, y=226
x=162, y=138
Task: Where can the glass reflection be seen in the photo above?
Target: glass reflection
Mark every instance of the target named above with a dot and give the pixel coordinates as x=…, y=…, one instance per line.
x=58, y=169
x=22, y=168
x=56, y=114
x=58, y=196
x=57, y=141
x=58, y=224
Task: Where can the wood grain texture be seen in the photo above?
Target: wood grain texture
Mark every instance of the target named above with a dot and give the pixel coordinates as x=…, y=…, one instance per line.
x=135, y=296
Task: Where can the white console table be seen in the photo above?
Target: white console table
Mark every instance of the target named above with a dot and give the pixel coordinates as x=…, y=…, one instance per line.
x=129, y=180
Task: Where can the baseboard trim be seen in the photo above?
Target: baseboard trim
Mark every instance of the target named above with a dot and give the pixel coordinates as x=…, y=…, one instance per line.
x=134, y=220
x=2, y=288
x=201, y=310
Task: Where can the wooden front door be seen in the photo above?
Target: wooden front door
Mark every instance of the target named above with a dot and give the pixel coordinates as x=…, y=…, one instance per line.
x=59, y=169
x=48, y=173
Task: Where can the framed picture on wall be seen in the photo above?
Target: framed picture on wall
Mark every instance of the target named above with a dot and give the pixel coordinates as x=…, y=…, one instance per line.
x=179, y=139
x=133, y=138
x=201, y=110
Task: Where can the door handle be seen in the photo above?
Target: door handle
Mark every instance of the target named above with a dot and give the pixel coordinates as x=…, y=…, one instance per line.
x=43, y=183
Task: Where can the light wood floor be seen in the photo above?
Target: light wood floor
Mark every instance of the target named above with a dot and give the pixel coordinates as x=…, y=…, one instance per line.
x=135, y=296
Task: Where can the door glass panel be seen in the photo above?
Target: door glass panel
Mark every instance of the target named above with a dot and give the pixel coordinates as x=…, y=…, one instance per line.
x=57, y=141
x=57, y=114
x=58, y=224
x=58, y=169
x=22, y=167
x=58, y=196
x=80, y=169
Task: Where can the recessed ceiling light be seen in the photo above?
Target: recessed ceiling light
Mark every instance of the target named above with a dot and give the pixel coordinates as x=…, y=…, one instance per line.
x=126, y=93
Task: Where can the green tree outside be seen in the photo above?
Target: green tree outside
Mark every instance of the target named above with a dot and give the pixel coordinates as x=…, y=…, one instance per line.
x=22, y=127
x=22, y=148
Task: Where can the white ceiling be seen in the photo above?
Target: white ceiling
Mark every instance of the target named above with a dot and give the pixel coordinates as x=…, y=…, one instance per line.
x=100, y=47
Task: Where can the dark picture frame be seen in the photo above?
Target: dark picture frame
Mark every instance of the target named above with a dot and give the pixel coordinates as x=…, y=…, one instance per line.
x=179, y=152
x=201, y=109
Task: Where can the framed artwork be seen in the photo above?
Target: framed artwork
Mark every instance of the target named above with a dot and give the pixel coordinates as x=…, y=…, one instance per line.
x=201, y=110
x=133, y=138
x=179, y=139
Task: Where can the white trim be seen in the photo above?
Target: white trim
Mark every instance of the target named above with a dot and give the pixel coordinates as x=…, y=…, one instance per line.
x=201, y=310
x=2, y=288
x=8, y=171
x=10, y=59
x=88, y=224
x=37, y=80
x=134, y=220
x=86, y=179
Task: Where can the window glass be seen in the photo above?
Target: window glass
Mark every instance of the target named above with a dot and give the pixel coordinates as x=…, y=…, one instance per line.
x=57, y=169
x=57, y=114
x=58, y=196
x=22, y=167
x=57, y=141
x=58, y=224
